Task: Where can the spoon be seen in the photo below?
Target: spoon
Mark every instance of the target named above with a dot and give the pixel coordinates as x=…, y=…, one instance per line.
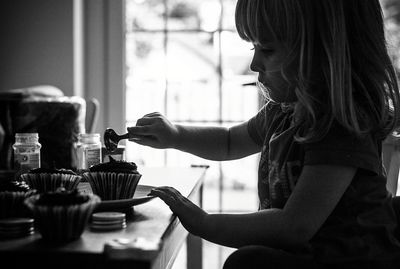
x=111, y=139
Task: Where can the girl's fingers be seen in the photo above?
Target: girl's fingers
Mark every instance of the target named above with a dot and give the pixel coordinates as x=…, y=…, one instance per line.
x=143, y=126
x=152, y=114
x=140, y=130
x=144, y=121
x=168, y=199
x=144, y=140
x=169, y=195
x=170, y=191
x=164, y=192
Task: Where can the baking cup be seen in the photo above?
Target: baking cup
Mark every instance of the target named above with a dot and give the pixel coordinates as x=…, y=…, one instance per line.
x=112, y=185
x=61, y=223
x=45, y=182
x=12, y=203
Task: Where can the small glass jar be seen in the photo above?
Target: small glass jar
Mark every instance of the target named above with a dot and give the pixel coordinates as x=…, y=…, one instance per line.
x=26, y=152
x=88, y=151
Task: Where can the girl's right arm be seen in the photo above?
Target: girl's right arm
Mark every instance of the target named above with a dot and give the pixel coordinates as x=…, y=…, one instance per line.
x=212, y=143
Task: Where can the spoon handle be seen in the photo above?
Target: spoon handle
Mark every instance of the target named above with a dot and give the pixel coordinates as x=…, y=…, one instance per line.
x=124, y=136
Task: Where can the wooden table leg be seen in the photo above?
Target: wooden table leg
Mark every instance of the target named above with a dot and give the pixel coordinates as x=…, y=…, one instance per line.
x=194, y=249
x=194, y=244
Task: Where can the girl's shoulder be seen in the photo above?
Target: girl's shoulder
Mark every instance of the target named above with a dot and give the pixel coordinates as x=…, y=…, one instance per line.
x=341, y=146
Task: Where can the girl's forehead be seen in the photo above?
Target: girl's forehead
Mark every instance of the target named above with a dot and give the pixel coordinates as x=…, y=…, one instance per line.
x=265, y=42
x=264, y=34
x=255, y=23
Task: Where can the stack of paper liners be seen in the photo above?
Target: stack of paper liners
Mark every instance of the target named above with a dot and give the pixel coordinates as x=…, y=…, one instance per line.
x=105, y=221
x=16, y=227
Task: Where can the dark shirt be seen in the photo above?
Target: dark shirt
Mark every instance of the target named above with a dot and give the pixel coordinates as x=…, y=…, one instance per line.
x=362, y=225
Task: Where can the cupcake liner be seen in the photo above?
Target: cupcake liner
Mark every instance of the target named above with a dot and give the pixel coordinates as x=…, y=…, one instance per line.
x=12, y=203
x=111, y=185
x=44, y=182
x=61, y=223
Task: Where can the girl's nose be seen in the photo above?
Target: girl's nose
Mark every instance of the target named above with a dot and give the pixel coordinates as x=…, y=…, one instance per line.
x=256, y=65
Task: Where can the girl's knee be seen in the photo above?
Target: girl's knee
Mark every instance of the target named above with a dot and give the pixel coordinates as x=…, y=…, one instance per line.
x=240, y=258
x=263, y=257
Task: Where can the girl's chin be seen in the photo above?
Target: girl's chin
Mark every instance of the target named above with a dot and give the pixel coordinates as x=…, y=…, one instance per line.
x=277, y=96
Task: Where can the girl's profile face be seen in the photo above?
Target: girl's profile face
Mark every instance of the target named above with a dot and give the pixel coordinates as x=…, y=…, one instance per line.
x=268, y=61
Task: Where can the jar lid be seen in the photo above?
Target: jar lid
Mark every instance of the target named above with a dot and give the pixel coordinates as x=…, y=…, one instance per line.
x=32, y=135
x=27, y=138
x=95, y=135
x=89, y=138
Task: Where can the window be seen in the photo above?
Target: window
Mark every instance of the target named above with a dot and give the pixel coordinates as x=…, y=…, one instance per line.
x=185, y=60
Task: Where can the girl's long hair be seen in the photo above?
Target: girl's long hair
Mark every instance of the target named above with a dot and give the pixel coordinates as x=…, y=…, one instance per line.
x=344, y=72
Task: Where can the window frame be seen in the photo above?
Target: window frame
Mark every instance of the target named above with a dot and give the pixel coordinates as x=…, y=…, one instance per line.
x=104, y=60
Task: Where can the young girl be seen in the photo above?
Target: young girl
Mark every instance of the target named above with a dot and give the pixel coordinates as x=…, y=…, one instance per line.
x=332, y=98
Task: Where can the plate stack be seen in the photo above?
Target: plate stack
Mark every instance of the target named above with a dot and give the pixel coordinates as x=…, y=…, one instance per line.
x=105, y=221
x=16, y=227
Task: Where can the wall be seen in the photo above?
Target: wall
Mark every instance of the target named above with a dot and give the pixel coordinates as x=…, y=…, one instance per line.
x=75, y=45
x=36, y=44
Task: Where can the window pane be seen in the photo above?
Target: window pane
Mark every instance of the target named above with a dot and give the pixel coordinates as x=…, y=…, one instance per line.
x=192, y=77
x=191, y=56
x=228, y=20
x=236, y=55
x=145, y=56
x=145, y=15
x=183, y=14
x=239, y=102
x=210, y=13
x=193, y=100
x=145, y=81
x=240, y=185
x=143, y=156
x=194, y=14
x=143, y=97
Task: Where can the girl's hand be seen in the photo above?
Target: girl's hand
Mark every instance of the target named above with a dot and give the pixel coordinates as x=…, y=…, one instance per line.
x=191, y=216
x=154, y=130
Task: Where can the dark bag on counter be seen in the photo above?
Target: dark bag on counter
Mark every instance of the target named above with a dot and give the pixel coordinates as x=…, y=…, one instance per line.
x=57, y=119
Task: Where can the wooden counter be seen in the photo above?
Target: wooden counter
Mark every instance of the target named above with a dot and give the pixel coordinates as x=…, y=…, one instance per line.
x=152, y=238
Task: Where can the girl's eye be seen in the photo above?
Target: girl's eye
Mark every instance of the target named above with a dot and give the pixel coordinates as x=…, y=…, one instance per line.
x=264, y=50
x=267, y=51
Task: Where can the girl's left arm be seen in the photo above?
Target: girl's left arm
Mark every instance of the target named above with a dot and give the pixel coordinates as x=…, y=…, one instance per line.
x=316, y=194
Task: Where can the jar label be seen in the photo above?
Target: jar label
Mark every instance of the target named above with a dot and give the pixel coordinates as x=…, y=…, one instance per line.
x=93, y=156
x=26, y=161
x=31, y=150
